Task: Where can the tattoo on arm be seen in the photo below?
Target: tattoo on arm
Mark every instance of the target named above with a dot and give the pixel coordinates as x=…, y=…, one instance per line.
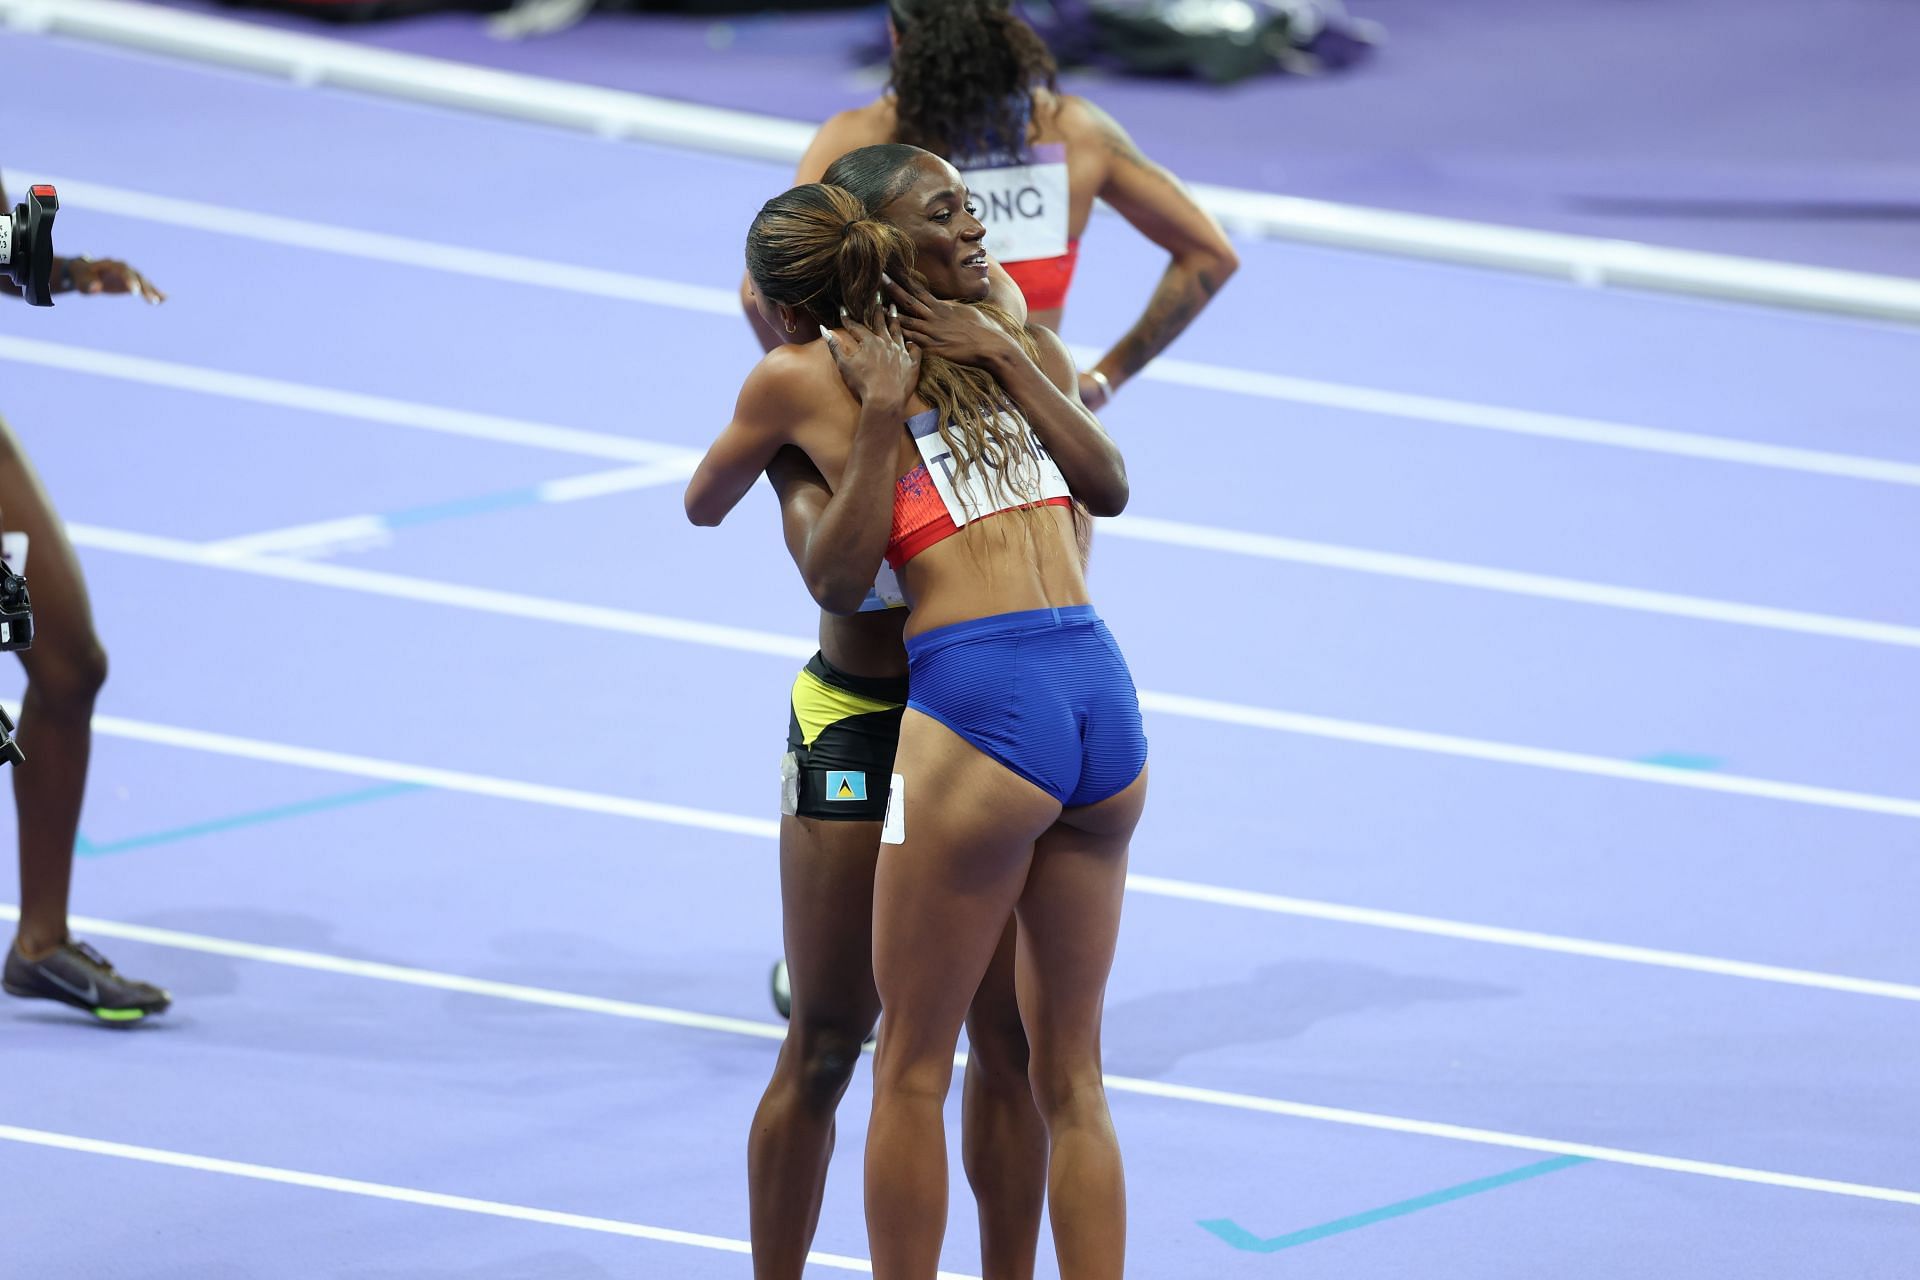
x=1121, y=147
x=1175, y=303
x=1182, y=292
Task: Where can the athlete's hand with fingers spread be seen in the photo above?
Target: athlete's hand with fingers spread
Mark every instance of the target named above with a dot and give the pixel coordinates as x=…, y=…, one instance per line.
x=877, y=362
x=110, y=275
x=953, y=330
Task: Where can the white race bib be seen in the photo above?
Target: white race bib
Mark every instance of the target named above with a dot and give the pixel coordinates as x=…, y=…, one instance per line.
x=1023, y=206
x=979, y=493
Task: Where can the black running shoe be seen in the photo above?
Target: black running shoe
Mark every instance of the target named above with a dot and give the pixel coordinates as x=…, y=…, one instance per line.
x=78, y=975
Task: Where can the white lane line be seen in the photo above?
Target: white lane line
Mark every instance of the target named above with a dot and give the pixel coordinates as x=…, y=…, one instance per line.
x=424, y=591
x=1527, y=422
x=599, y=484
x=1119, y=1084
x=1518, y=1142
x=1247, y=382
x=360, y=766
x=344, y=404
x=427, y=776
x=403, y=251
x=405, y=975
x=747, y=640
x=1527, y=939
x=1379, y=735
x=668, y=464
x=1480, y=577
x=303, y=539
x=365, y=532
x=409, y=1195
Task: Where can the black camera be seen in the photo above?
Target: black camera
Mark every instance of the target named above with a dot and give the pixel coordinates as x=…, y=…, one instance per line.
x=26, y=245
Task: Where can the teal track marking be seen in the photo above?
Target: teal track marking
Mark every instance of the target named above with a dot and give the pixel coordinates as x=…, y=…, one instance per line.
x=1240, y=1238
x=347, y=799
x=461, y=507
x=1685, y=760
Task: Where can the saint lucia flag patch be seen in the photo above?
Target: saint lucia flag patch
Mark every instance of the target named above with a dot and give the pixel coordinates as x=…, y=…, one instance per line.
x=842, y=785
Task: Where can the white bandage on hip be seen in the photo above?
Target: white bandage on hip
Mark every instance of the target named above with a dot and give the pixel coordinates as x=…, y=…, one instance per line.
x=894, y=829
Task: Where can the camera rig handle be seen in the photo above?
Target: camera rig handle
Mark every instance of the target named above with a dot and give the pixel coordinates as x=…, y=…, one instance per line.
x=26, y=244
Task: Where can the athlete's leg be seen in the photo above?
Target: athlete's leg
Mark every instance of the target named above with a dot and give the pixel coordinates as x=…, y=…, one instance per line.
x=1069, y=921
x=941, y=902
x=826, y=892
x=65, y=668
x=1003, y=1142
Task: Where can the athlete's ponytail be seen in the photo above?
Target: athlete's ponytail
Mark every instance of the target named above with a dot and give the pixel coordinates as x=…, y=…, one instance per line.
x=964, y=74
x=817, y=249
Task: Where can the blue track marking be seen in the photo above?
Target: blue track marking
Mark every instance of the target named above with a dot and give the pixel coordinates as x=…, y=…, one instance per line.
x=259, y=817
x=1240, y=1238
x=1685, y=760
x=457, y=508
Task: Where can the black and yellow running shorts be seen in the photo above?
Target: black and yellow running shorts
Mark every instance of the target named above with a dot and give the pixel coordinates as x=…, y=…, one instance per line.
x=841, y=739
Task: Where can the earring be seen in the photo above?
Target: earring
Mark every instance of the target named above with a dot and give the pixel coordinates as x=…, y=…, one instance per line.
x=790, y=325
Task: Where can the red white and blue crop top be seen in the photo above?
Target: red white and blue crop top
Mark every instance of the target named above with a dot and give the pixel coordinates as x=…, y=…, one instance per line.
x=933, y=501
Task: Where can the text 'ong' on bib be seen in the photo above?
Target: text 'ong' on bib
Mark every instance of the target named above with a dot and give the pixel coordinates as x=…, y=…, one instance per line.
x=1024, y=206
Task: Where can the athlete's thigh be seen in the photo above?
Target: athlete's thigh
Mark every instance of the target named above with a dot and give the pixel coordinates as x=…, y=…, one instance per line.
x=943, y=893
x=62, y=615
x=1069, y=914
x=826, y=903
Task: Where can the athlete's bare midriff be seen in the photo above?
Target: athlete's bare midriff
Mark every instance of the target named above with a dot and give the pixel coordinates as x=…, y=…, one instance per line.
x=1008, y=563
x=866, y=644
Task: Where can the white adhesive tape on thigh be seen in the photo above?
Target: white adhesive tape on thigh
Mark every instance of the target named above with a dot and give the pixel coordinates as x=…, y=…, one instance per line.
x=894, y=829
x=790, y=784
x=13, y=549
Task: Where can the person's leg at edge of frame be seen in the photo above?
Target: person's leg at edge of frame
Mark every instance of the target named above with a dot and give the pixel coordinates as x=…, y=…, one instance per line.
x=941, y=902
x=826, y=891
x=65, y=669
x=1003, y=1142
x=1069, y=924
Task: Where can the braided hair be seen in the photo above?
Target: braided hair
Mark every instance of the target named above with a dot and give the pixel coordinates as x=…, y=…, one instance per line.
x=964, y=76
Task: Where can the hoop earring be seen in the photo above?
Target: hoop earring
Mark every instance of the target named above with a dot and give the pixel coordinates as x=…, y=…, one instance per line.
x=790, y=326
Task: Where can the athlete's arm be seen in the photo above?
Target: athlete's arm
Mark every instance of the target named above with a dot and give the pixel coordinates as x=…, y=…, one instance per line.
x=1003, y=293
x=845, y=545
x=824, y=531
x=763, y=417
x=1163, y=211
x=1048, y=393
